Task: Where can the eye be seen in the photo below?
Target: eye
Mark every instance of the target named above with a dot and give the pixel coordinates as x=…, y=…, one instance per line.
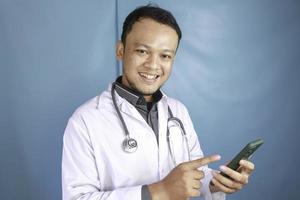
x=166, y=56
x=141, y=51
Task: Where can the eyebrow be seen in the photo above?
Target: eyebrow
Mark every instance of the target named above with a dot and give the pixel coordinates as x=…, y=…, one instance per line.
x=148, y=47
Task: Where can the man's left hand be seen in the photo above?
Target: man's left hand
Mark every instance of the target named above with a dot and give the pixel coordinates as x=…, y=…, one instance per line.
x=237, y=179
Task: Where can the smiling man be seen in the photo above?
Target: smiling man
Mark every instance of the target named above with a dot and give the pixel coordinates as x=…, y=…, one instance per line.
x=148, y=53
x=133, y=141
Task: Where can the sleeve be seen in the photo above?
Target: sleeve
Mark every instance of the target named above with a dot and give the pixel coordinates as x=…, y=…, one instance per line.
x=80, y=178
x=195, y=153
x=146, y=193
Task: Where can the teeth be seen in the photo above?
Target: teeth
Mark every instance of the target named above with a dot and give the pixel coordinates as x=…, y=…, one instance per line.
x=148, y=76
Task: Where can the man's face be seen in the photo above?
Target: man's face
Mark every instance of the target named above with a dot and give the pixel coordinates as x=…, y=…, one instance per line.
x=147, y=56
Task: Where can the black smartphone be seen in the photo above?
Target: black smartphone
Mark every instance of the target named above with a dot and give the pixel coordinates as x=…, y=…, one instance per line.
x=244, y=154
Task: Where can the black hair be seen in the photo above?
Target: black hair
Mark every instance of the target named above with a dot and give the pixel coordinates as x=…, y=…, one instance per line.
x=153, y=12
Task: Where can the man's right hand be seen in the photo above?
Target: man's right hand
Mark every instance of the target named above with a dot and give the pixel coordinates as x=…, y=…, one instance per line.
x=183, y=181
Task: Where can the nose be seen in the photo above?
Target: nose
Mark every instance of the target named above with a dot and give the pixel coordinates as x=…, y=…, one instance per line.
x=152, y=61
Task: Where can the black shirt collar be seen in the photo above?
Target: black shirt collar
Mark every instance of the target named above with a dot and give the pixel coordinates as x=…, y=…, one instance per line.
x=134, y=97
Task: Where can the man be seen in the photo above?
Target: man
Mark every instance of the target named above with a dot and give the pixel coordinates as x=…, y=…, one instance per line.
x=117, y=145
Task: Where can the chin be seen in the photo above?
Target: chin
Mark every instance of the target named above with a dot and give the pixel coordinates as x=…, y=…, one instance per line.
x=149, y=91
x=143, y=88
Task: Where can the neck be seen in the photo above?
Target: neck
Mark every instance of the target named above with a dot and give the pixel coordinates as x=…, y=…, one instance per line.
x=148, y=98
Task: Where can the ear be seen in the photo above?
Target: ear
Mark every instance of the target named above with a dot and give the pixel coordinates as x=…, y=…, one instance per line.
x=119, y=50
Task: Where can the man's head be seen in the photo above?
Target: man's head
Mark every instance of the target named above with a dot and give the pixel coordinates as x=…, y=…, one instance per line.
x=149, y=42
x=155, y=13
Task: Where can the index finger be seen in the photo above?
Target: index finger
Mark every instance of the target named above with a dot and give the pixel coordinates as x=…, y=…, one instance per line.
x=194, y=164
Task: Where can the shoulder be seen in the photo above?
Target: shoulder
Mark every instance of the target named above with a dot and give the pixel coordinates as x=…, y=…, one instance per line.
x=177, y=107
x=93, y=106
x=175, y=103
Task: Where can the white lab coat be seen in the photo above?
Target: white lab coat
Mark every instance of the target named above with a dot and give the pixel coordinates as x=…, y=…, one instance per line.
x=94, y=164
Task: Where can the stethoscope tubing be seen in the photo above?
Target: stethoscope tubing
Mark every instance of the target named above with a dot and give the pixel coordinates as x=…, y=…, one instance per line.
x=113, y=96
x=172, y=118
x=130, y=144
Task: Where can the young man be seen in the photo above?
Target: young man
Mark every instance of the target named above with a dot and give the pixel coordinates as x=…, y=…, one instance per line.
x=118, y=145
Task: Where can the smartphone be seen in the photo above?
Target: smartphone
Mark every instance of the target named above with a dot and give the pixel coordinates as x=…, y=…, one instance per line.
x=244, y=154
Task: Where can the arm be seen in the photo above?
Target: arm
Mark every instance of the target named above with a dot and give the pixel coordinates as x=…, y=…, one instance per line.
x=215, y=185
x=80, y=178
x=189, y=179
x=196, y=152
x=183, y=182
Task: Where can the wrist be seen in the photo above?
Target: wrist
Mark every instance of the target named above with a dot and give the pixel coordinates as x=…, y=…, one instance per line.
x=158, y=191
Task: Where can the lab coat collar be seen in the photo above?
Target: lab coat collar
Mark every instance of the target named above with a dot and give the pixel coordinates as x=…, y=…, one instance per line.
x=120, y=100
x=135, y=98
x=124, y=105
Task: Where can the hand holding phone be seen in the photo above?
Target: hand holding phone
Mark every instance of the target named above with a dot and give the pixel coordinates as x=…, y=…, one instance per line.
x=244, y=154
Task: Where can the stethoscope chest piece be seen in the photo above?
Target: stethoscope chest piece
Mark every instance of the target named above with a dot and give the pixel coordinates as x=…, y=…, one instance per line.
x=130, y=145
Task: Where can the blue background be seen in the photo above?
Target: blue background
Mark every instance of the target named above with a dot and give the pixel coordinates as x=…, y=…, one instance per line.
x=237, y=70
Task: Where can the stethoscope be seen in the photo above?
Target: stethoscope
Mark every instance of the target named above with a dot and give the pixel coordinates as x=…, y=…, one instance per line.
x=130, y=145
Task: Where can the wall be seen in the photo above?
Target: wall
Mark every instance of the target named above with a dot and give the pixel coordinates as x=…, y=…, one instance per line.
x=237, y=70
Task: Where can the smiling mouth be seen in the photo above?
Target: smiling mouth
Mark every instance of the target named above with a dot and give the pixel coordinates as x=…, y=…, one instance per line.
x=149, y=77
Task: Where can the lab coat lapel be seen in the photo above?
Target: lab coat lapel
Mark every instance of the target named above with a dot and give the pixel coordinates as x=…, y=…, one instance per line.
x=129, y=110
x=126, y=108
x=164, y=164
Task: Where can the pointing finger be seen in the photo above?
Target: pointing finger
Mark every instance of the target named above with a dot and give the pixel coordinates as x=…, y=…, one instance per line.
x=194, y=164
